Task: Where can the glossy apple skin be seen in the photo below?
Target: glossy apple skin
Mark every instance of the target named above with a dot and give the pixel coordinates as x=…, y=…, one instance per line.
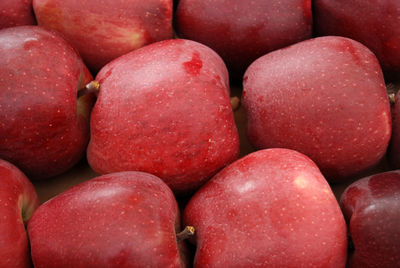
x=18, y=201
x=44, y=129
x=125, y=219
x=104, y=30
x=324, y=97
x=16, y=13
x=164, y=109
x=271, y=208
x=373, y=23
x=241, y=31
x=371, y=207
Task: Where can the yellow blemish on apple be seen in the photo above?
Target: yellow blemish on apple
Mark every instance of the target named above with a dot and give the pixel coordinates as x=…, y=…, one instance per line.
x=300, y=182
x=137, y=40
x=386, y=121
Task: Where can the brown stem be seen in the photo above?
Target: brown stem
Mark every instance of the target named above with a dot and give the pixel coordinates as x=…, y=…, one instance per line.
x=188, y=232
x=235, y=103
x=392, y=91
x=92, y=87
x=392, y=98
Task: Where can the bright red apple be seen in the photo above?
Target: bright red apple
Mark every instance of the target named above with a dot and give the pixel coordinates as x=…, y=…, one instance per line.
x=376, y=24
x=44, y=128
x=164, y=109
x=18, y=201
x=16, y=13
x=271, y=208
x=372, y=208
x=105, y=30
x=126, y=219
x=241, y=31
x=324, y=97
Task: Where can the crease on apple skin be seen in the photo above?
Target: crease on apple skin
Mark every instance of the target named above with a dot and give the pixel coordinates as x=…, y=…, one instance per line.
x=27, y=207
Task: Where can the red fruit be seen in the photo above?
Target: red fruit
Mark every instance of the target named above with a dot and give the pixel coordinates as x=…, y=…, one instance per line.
x=105, y=30
x=272, y=208
x=44, y=129
x=18, y=201
x=372, y=208
x=241, y=31
x=376, y=24
x=126, y=219
x=324, y=97
x=16, y=13
x=164, y=109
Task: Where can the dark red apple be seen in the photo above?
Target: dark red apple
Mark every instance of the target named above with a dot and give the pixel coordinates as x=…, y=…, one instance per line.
x=241, y=31
x=324, y=97
x=127, y=219
x=44, y=128
x=164, y=109
x=376, y=24
x=18, y=201
x=105, y=30
x=16, y=13
x=271, y=208
x=372, y=209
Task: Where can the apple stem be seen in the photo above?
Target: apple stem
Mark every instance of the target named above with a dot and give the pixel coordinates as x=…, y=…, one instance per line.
x=392, y=90
x=392, y=98
x=235, y=103
x=92, y=87
x=188, y=232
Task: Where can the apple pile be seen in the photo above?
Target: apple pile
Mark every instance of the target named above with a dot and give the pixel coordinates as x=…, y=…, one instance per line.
x=199, y=133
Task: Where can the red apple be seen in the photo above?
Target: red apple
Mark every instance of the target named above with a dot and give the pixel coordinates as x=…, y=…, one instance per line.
x=372, y=209
x=164, y=109
x=271, y=208
x=376, y=24
x=18, y=201
x=16, y=13
x=126, y=219
x=105, y=30
x=241, y=31
x=43, y=127
x=324, y=97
